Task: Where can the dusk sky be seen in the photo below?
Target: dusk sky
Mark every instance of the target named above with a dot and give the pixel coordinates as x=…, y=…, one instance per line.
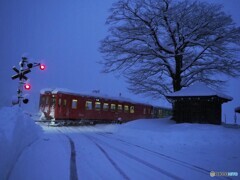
x=65, y=35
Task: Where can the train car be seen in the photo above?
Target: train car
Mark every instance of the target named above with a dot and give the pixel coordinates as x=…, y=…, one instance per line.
x=63, y=105
x=161, y=112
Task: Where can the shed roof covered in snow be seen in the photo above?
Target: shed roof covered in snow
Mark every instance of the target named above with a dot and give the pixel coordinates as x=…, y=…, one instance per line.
x=198, y=90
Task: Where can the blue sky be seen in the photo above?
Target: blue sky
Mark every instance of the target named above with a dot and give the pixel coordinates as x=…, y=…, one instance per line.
x=65, y=35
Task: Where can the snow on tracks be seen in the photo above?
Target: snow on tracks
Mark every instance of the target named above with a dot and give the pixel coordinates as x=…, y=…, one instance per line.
x=172, y=159
x=73, y=165
x=139, y=160
x=109, y=158
x=101, y=154
x=174, y=162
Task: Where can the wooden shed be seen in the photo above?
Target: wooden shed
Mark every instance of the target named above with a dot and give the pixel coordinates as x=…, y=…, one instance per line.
x=198, y=104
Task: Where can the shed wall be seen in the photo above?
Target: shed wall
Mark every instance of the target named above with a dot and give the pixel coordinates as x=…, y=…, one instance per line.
x=197, y=112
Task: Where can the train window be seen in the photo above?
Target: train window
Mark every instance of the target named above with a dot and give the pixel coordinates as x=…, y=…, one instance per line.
x=64, y=102
x=113, y=107
x=144, y=110
x=105, y=106
x=126, y=108
x=88, y=105
x=97, y=106
x=132, y=109
x=119, y=107
x=59, y=102
x=74, y=104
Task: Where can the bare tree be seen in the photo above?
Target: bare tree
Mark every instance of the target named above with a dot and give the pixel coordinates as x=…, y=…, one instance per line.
x=161, y=46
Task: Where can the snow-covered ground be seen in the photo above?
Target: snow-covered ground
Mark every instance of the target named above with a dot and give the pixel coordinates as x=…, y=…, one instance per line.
x=141, y=149
x=17, y=132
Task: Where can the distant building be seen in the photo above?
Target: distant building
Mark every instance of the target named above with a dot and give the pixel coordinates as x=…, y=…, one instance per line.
x=198, y=104
x=237, y=109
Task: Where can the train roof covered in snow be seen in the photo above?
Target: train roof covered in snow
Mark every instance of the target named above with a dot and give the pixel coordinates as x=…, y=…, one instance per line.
x=95, y=94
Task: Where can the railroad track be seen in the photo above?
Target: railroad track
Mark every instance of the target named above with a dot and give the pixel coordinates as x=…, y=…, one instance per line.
x=121, y=172
x=103, y=142
x=73, y=165
x=99, y=143
x=161, y=155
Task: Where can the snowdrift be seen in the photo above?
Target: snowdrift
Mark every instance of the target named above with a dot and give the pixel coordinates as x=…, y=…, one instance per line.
x=167, y=132
x=212, y=146
x=17, y=132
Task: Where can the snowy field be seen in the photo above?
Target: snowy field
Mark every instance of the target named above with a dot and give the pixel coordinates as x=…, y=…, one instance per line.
x=141, y=149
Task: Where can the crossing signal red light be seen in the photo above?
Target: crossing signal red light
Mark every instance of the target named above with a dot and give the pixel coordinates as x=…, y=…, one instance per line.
x=27, y=86
x=42, y=66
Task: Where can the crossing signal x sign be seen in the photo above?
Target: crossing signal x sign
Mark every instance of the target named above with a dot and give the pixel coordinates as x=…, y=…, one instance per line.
x=20, y=74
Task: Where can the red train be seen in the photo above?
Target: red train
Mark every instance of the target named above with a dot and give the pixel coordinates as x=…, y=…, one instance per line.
x=61, y=105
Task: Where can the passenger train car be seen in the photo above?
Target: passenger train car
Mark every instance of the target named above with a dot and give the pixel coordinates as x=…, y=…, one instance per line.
x=65, y=106
x=161, y=112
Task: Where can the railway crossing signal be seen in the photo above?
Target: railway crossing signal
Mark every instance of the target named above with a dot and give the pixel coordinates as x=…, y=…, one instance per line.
x=25, y=68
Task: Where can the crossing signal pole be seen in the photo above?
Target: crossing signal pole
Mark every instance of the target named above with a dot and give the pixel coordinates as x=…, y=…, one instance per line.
x=25, y=68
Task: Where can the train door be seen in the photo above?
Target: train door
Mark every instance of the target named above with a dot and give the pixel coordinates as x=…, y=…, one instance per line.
x=52, y=106
x=98, y=110
x=60, y=107
x=64, y=108
x=73, y=108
